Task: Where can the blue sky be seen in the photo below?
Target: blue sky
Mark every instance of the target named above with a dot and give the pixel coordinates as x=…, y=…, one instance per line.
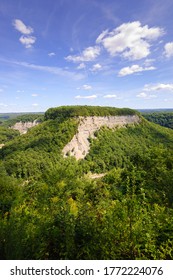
x=93, y=52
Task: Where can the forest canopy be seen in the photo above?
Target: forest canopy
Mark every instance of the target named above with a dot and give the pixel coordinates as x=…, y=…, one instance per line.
x=64, y=112
x=53, y=207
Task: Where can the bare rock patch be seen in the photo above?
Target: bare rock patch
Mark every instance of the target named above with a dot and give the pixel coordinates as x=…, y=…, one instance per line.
x=79, y=145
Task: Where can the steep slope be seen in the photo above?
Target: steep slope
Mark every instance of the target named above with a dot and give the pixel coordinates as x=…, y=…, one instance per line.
x=92, y=139
x=79, y=145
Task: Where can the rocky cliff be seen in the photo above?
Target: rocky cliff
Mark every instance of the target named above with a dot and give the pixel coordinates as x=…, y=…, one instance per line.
x=79, y=145
x=24, y=126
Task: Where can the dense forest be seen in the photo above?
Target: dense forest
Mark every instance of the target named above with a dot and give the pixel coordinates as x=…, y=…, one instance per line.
x=161, y=118
x=52, y=208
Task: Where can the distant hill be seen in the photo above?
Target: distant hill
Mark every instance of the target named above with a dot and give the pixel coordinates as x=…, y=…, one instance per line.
x=161, y=118
x=10, y=116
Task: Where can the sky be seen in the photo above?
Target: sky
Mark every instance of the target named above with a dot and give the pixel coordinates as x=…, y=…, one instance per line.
x=85, y=52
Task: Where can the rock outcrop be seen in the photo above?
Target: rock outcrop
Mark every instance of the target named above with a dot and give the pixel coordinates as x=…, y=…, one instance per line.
x=24, y=126
x=79, y=145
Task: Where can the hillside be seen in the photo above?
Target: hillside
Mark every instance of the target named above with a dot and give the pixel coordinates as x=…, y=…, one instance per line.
x=52, y=208
x=161, y=118
x=88, y=126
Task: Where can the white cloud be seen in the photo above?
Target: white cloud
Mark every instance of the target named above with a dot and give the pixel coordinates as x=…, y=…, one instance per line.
x=134, y=69
x=22, y=28
x=1, y=90
x=27, y=41
x=110, y=96
x=81, y=66
x=34, y=94
x=89, y=54
x=51, y=54
x=146, y=96
x=168, y=49
x=96, y=67
x=85, y=87
x=131, y=40
x=35, y=105
x=86, y=96
x=158, y=87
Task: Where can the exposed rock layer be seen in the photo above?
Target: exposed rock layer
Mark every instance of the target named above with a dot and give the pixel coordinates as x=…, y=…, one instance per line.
x=24, y=126
x=79, y=145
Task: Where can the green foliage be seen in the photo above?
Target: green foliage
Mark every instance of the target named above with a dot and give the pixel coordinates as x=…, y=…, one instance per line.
x=33, y=153
x=50, y=208
x=78, y=218
x=161, y=118
x=7, y=134
x=120, y=147
x=64, y=112
x=23, y=118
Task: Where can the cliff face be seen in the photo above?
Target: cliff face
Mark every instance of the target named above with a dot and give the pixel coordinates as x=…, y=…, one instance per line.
x=79, y=145
x=24, y=126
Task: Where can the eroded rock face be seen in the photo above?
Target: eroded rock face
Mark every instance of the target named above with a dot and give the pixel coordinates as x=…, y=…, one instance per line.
x=24, y=126
x=79, y=145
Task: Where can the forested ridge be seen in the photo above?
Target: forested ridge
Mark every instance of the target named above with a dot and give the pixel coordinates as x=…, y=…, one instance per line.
x=51, y=208
x=161, y=118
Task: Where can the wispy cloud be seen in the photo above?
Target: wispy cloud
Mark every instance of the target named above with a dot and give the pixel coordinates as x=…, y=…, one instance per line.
x=111, y=96
x=159, y=87
x=149, y=61
x=96, y=67
x=85, y=87
x=81, y=66
x=51, y=54
x=86, y=96
x=3, y=105
x=53, y=70
x=34, y=95
x=134, y=69
x=144, y=95
x=89, y=54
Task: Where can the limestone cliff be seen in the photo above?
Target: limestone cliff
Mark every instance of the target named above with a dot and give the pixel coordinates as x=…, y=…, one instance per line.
x=79, y=145
x=24, y=126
